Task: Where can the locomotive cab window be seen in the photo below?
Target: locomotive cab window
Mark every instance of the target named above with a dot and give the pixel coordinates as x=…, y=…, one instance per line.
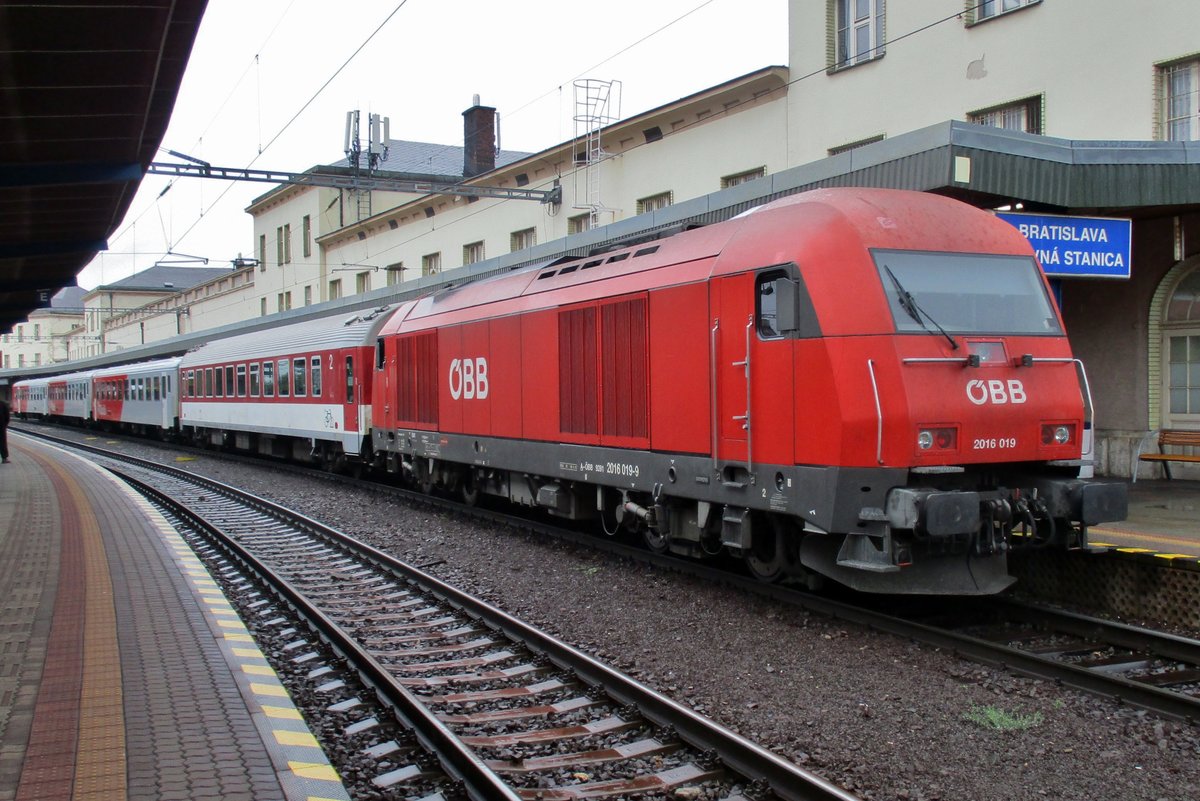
x=781, y=305
x=966, y=293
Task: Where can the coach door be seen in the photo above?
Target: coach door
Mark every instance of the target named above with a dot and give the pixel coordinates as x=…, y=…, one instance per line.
x=350, y=421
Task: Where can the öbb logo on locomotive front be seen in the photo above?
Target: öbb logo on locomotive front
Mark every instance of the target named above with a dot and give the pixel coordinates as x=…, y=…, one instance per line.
x=996, y=391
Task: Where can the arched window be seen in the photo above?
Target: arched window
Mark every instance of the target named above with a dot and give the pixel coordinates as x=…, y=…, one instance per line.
x=1181, y=351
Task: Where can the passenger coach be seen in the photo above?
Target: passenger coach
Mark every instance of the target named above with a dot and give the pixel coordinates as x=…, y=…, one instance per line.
x=299, y=391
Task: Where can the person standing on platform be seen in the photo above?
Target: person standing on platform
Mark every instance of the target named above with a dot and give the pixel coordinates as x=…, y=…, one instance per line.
x=4, y=430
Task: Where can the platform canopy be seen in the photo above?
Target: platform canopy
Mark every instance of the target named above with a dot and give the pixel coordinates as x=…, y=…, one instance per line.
x=86, y=92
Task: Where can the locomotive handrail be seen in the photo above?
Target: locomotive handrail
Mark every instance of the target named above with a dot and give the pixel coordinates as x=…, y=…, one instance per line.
x=878, y=413
x=716, y=425
x=964, y=360
x=1085, y=385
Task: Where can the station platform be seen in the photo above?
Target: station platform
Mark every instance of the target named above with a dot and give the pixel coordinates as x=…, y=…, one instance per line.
x=1164, y=520
x=124, y=671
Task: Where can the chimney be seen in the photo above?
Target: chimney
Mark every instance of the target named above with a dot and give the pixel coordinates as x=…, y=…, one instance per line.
x=479, y=139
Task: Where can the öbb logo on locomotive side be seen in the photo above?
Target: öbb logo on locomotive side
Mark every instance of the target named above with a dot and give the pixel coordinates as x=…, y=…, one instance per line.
x=469, y=379
x=996, y=391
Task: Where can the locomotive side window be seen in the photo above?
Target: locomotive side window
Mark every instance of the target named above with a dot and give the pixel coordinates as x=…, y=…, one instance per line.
x=782, y=305
x=966, y=293
x=316, y=376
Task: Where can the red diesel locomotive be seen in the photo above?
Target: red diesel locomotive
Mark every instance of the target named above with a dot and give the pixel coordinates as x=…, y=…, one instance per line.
x=872, y=386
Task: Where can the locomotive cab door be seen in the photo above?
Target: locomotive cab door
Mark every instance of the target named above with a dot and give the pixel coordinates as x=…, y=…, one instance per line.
x=753, y=329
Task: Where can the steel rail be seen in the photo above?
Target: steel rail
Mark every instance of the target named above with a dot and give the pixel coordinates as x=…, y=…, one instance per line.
x=1164, y=702
x=786, y=780
x=456, y=758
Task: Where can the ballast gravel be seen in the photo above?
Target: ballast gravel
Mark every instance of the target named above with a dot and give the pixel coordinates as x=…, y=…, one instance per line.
x=876, y=715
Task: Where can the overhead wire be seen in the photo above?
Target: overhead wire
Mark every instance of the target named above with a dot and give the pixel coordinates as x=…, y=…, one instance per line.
x=725, y=111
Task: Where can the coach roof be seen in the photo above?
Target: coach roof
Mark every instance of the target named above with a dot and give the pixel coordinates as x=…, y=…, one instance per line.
x=326, y=333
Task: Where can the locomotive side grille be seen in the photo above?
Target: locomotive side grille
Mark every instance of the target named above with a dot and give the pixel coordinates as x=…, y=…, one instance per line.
x=416, y=384
x=626, y=393
x=577, y=371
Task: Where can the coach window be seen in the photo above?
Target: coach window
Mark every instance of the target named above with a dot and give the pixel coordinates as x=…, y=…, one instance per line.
x=349, y=379
x=156, y=388
x=268, y=379
x=208, y=382
x=254, y=380
x=229, y=386
x=285, y=383
x=191, y=383
x=219, y=384
x=316, y=376
x=241, y=380
x=299, y=377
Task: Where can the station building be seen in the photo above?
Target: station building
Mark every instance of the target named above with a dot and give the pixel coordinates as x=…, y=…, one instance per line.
x=1029, y=107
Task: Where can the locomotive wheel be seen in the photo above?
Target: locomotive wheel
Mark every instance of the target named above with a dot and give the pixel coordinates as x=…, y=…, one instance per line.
x=767, y=558
x=469, y=488
x=657, y=541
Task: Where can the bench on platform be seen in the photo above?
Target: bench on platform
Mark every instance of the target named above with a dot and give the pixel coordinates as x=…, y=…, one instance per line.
x=1169, y=438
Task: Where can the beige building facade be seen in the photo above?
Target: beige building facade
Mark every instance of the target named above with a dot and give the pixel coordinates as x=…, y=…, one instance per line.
x=864, y=70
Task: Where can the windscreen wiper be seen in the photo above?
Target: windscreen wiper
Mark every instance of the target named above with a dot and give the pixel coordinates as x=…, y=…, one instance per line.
x=909, y=304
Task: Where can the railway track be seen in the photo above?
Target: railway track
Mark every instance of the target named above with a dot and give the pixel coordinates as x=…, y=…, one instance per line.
x=1145, y=669
x=505, y=710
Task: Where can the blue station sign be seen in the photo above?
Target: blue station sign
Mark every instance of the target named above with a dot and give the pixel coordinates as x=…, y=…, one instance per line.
x=1094, y=247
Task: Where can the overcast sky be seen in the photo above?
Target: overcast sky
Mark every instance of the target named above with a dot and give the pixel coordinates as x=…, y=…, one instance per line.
x=250, y=95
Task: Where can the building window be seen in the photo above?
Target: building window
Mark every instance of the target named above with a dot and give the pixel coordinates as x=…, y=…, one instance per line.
x=262, y=252
x=654, y=202
x=279, y=246
x=579, y=223
x=858, y=31
x=742, y=177
x=1023, y=115
x=1182, y=352
x=308, y=295
x=1179, y=109
x=994, y=8
x=285, y=301
x=395, y=273
x=472, y=253
x=431, y=263
x=362, y=282
x=262, y=307
x=335, y=289
x=520, y=240
x=846, y=148
x=287, y=244
x=306, y=235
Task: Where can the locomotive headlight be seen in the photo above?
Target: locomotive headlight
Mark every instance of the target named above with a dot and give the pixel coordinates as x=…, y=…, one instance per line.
x=1058, y=433
x=941, y=439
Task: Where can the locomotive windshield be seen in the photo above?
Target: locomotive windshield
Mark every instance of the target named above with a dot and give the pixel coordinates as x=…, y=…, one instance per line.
x=966, y=293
